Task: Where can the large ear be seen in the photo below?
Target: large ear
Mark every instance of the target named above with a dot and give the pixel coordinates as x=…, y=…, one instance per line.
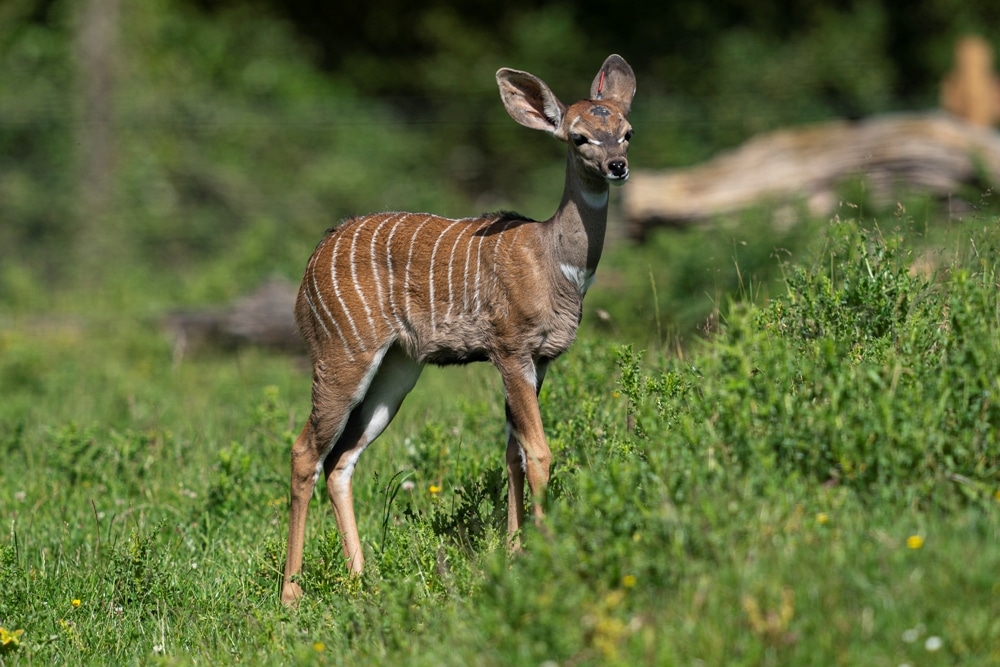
x=529, y=101
x=615, y=81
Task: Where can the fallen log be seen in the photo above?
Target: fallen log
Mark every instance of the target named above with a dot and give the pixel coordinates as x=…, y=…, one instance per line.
x=262, y=318
x=927, y=152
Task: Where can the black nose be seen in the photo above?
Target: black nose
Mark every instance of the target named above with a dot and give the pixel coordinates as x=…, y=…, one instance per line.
x=618, y=168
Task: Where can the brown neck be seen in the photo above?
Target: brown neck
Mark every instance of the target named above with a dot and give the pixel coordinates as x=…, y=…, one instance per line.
x=579, y=224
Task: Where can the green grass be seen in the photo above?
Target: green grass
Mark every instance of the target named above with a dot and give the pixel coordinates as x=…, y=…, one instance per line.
x=816, y=483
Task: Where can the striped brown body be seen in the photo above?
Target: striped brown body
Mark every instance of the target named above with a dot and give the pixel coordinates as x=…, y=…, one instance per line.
x=444, y=290
x=385, y=294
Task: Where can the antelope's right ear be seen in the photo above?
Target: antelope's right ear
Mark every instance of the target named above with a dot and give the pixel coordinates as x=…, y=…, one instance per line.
x=529, y=101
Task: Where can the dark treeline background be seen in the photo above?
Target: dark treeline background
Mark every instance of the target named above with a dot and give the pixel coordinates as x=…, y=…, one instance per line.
x=197, y=146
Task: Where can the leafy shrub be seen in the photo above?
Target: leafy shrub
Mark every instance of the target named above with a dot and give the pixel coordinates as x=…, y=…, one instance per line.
x=139, y=574
x=242, y=475
x=11, y=581
x=863, y=375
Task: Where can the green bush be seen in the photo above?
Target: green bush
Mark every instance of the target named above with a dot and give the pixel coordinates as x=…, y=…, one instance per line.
x=862, y=374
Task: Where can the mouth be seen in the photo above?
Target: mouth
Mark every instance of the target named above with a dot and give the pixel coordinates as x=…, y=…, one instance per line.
x=617, y=179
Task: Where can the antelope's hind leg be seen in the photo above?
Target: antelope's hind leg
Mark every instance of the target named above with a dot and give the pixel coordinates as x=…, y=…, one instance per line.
x=393, y=380
x=307, y=459
x=338, y=386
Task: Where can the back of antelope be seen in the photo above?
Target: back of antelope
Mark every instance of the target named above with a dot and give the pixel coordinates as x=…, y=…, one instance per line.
x=385, y=294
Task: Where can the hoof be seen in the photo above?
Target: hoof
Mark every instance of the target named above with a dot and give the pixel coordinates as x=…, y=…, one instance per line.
x=291, y=592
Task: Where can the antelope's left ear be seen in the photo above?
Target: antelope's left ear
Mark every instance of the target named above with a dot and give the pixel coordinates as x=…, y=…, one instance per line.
x=615, y=81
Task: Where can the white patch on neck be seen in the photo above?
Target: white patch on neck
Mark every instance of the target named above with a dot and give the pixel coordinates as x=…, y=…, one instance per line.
x=594, y=200
x=580, y=277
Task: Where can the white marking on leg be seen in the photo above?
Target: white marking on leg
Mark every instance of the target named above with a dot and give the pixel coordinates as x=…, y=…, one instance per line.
x=528, y=373
x=433, y=256
x=511, y=433
x=354, y=277
x=366, y=380
x=348, y=461
x=393, y=380
x=340, y=298
x=356, y=398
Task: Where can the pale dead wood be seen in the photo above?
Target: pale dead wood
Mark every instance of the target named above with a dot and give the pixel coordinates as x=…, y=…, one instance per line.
x=971, y=90
x=929, y=152
x=262, y=318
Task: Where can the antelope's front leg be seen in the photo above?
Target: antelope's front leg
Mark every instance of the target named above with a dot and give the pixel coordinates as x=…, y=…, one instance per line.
x=528, y=454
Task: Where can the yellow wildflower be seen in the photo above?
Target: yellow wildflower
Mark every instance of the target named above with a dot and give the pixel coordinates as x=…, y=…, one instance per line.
x=914, y=542
x=9, y=639
x=628, y=581
x=319, y=647
x=434, y=489
x=822, y=518
x=76, y=602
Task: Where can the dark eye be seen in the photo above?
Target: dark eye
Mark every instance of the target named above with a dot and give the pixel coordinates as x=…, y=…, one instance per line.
x=578, y=139
x=628, y=136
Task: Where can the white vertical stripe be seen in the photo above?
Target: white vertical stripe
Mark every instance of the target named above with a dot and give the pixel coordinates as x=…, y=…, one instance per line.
x=451, y=265
x=404, y=217
x=340, y=298
x=333, y=321
x=315, y=313
x=431, y=273
x=354, y=277
x=479, y=267
x=496, y=253
x=308, y=288
x=409, y=262
x=379, y=292
x=465, y=274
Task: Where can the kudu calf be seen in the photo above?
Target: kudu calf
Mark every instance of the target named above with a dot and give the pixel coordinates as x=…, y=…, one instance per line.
x=385, y=294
